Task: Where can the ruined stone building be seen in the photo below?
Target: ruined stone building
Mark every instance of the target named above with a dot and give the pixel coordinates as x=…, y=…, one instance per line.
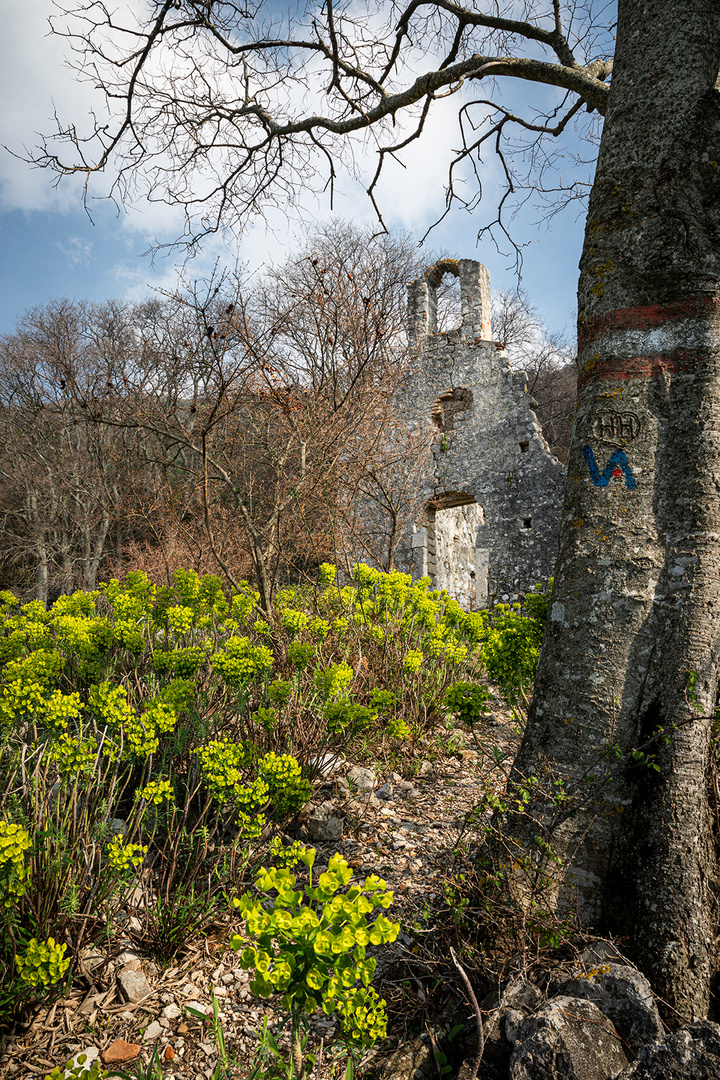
x=489, y=514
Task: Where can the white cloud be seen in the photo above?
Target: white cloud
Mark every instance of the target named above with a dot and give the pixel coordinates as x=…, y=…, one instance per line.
x=411, y=196
x=35, y=81
x=32, y=81
x=76, y=250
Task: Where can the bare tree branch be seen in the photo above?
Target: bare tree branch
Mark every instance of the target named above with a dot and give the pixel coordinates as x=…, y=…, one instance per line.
x=219, y=109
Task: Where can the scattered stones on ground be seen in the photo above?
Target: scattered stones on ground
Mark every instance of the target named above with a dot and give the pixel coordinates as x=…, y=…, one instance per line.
x=90, y=1054
x=119, y=1052
x=361, y=778
x=153, y=1031
x=134, y=985
x=326, y=764
x=323, y=824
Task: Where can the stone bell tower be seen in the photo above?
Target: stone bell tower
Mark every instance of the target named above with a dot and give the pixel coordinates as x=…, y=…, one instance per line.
x=490, y=506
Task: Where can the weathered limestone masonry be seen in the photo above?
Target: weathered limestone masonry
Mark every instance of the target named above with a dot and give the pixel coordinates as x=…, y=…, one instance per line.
x=490, y=514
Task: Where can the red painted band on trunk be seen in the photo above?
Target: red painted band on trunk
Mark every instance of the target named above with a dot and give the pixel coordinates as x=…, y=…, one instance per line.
x=647, y=318
x=678, y=362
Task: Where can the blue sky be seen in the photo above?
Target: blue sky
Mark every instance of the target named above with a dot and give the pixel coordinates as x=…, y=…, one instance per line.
x=50, y=248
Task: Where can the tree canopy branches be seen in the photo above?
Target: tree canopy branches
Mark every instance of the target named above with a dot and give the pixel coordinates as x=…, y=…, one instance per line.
x=225, y=109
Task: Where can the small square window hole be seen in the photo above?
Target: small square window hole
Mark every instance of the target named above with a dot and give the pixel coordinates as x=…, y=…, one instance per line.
x=524, y=447
x=526, y=523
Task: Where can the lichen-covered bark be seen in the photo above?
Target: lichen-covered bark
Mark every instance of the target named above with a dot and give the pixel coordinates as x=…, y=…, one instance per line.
x=637, y=590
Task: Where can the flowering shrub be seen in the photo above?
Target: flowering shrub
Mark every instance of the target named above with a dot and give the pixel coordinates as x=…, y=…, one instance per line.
x=143, y=733
x=413, y=661
x=310, y=944
x=362, y=1015
x=285, y=855
x=294, y=621
x=27, y=680
x=383, y=700
x=319, y=629
x=244, y=603
x=288, y=790
x=22, y=700
x=157, y=792
x=72, y=754
x=123, y=857
x=248, y=803
x=266, y=718
x=110, y=705
x=333, y=680
x=300, y=654
x=185, y=662
x=279, y=784
x=510, y=650
x=537, y=603
x=468, y=701
x=198, y=722
x=279, y=691
x=240, y=660
x=179, y=618
x=42, y=963
x=341, y=716
x=326, y=575
x=14, y=842
x=61, y=709
x=223, y=764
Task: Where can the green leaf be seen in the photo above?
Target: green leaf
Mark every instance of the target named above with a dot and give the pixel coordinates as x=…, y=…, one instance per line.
x=196, y=1012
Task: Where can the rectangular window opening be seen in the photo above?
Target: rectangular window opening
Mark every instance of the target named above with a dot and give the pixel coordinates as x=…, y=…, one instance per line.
x=526, y=523
x=524, y=447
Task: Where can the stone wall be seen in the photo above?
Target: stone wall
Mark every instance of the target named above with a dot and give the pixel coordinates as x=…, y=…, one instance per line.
x=489, y=509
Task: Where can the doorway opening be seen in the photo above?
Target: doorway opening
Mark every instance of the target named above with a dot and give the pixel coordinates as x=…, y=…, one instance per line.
x=451, y=557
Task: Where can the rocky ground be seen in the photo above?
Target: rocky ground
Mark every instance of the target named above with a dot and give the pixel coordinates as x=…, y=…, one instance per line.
x=403, y=828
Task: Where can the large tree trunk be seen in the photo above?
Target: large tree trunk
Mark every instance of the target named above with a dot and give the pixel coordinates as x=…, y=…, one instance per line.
x=636, y=603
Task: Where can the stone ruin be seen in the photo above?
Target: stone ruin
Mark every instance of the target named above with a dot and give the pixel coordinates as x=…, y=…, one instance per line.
x=489, y=514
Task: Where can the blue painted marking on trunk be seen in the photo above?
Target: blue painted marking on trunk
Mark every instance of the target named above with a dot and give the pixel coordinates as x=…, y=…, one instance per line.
x=616, y=466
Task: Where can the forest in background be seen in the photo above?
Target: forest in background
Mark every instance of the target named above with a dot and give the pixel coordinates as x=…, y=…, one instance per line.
x=233, y=426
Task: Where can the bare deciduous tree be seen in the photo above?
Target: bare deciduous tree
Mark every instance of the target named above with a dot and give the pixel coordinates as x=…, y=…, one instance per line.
x=236, y=426
x=63, y=477
x=267, y=406
x=547, y=361
x=224, y=109
x=343, y=301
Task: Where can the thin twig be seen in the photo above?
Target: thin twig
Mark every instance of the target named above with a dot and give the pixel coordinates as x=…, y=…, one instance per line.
x=436, y=1050
x=476, y=1009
